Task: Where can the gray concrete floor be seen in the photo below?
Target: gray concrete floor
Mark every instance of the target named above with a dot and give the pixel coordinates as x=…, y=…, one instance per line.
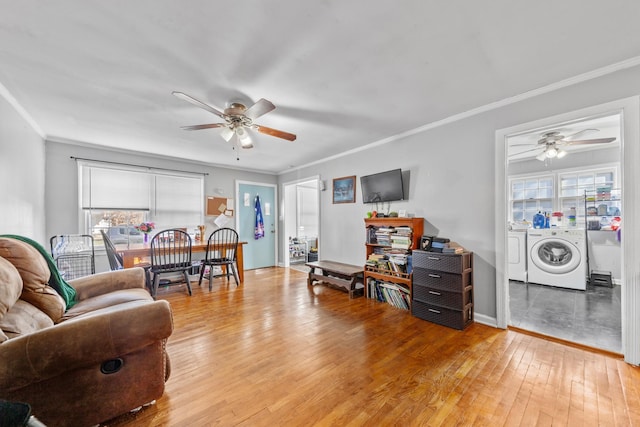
x=591, y=317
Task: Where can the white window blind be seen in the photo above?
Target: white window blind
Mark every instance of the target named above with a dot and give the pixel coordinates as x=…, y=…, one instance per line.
x=178, y=201
x=104, y=188
x=170, y=200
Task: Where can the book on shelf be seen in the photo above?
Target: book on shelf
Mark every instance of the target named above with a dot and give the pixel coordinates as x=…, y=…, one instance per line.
x=400, y=242
x=404, y=230
x=391, y=293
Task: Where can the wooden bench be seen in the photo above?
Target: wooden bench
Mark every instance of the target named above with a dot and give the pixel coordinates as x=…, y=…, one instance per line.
x=336, y=274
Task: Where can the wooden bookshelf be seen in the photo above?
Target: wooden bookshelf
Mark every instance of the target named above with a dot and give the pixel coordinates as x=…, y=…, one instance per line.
x=401, y=278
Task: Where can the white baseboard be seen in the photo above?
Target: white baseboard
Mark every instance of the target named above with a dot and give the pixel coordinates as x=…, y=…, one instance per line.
x=485, y=320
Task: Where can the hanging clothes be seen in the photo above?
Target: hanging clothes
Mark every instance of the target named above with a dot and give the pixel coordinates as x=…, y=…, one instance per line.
x=259, y=230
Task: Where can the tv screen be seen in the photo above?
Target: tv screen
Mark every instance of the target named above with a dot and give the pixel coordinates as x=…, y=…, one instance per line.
x=382, y=187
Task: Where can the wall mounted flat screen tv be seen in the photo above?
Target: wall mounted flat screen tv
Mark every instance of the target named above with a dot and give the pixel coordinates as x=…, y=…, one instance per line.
x=382, y=187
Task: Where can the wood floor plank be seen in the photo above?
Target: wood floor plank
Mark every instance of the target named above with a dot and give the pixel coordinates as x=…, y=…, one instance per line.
x=275, y=352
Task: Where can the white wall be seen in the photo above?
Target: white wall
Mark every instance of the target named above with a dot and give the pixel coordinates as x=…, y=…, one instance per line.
x=22, y=171
x=451, y=177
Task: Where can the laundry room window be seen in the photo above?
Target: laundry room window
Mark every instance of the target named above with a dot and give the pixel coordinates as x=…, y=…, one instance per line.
x=573, y=185
x=530, y=195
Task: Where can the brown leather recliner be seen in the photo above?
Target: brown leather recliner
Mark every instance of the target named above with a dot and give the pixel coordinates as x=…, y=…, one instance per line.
x=102, y=357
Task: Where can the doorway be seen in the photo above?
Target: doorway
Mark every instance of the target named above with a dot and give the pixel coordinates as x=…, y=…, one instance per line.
x=551, y=270
x=258, y=252
x=301, y=222
x=629, y=111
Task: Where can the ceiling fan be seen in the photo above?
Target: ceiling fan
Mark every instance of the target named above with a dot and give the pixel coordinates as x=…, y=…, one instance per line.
x=551, y=144
x=237, y=120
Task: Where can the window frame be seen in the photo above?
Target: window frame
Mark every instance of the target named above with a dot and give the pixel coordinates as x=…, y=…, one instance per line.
x=537, y=200
x=86, y=225
x=561, y=203
x=565, y=202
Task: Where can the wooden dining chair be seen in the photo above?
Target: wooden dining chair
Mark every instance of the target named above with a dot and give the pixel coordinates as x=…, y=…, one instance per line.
x=222, y=247
x=116, y=262
x=170, y=254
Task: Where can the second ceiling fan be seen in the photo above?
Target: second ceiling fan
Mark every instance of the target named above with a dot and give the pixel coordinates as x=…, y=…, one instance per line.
x=552, y=142
x=237, y=120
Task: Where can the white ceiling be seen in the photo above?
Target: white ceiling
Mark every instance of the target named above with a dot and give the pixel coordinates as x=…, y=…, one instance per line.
x=342, y=74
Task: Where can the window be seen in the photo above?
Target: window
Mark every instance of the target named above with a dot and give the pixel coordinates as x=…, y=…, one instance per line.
x=530, y=195
x=116, y=199
x=573, y=186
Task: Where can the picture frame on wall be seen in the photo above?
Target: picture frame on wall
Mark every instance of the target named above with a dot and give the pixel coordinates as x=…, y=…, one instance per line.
x=344, y=189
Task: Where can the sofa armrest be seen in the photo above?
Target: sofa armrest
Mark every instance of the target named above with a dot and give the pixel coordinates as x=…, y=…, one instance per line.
x=103, y=283
x=85, y=341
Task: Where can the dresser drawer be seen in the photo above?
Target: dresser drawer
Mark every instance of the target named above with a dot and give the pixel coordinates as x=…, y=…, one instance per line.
x=452, y=263
x=440, y=280
x=453, y=300
x=457, y=319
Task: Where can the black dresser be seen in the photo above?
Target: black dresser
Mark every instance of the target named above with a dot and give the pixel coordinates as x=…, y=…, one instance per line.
x=443, y=288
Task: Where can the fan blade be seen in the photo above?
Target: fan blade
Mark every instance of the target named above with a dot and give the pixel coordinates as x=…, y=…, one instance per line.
x=259, y=108
x=525, y=151
x=197, y=103
x=589, y=141
x=275, y=132
x=573, y=135
x=209, y=126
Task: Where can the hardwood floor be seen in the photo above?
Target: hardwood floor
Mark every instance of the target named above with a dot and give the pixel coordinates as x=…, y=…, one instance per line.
x=275, y=352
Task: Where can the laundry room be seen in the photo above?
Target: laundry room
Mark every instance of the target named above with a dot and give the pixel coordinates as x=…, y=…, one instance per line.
x=565, y=225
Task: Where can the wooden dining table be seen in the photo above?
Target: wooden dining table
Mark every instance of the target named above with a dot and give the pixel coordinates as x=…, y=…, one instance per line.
x=135, y=251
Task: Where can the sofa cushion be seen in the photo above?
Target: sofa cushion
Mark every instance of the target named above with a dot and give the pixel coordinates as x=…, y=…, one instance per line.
x=10, y=286
x=35, y=275
x=105, y=301
x=24, y=319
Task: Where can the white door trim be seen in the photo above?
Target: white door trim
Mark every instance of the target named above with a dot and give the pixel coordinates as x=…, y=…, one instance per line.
x=630, y=158
x=285, y=260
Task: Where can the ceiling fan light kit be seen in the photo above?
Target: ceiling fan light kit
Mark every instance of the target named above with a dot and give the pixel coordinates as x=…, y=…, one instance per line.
x=238, y=120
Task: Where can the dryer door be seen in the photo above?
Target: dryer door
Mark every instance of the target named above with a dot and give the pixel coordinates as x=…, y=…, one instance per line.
x=555, y=256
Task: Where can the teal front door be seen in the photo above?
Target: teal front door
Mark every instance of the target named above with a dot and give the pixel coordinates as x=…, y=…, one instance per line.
x=258, y=253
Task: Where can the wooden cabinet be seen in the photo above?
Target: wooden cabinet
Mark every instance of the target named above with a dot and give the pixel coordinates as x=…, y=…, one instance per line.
x=443, y=288
x=387, y=276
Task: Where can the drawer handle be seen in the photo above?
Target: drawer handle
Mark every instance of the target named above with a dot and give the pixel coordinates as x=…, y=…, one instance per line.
x=435, y=276
x=434, y=311
x=435, y=293
x=435, y=258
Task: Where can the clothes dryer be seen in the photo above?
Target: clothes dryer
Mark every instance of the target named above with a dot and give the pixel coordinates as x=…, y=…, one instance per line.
x=557, y=257
x=517, y=248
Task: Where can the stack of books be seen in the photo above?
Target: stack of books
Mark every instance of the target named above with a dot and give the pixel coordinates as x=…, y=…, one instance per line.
x=383, y=235
x=399, y=241
x=452, y=248
x=445, y=246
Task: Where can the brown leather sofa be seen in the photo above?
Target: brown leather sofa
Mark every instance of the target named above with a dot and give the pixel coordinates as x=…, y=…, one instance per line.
x=102, y=357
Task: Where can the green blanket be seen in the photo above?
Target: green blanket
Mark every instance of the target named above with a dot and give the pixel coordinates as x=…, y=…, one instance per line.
x=56, y=281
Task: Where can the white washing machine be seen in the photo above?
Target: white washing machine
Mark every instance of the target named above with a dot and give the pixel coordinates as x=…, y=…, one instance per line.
x=517, y=252
x=557, y=257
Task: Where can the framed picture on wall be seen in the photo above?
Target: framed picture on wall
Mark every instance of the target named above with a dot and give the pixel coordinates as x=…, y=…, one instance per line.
x=344, y=189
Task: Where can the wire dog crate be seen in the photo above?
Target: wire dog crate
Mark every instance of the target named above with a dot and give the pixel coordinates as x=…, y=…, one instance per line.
x=74, y=255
